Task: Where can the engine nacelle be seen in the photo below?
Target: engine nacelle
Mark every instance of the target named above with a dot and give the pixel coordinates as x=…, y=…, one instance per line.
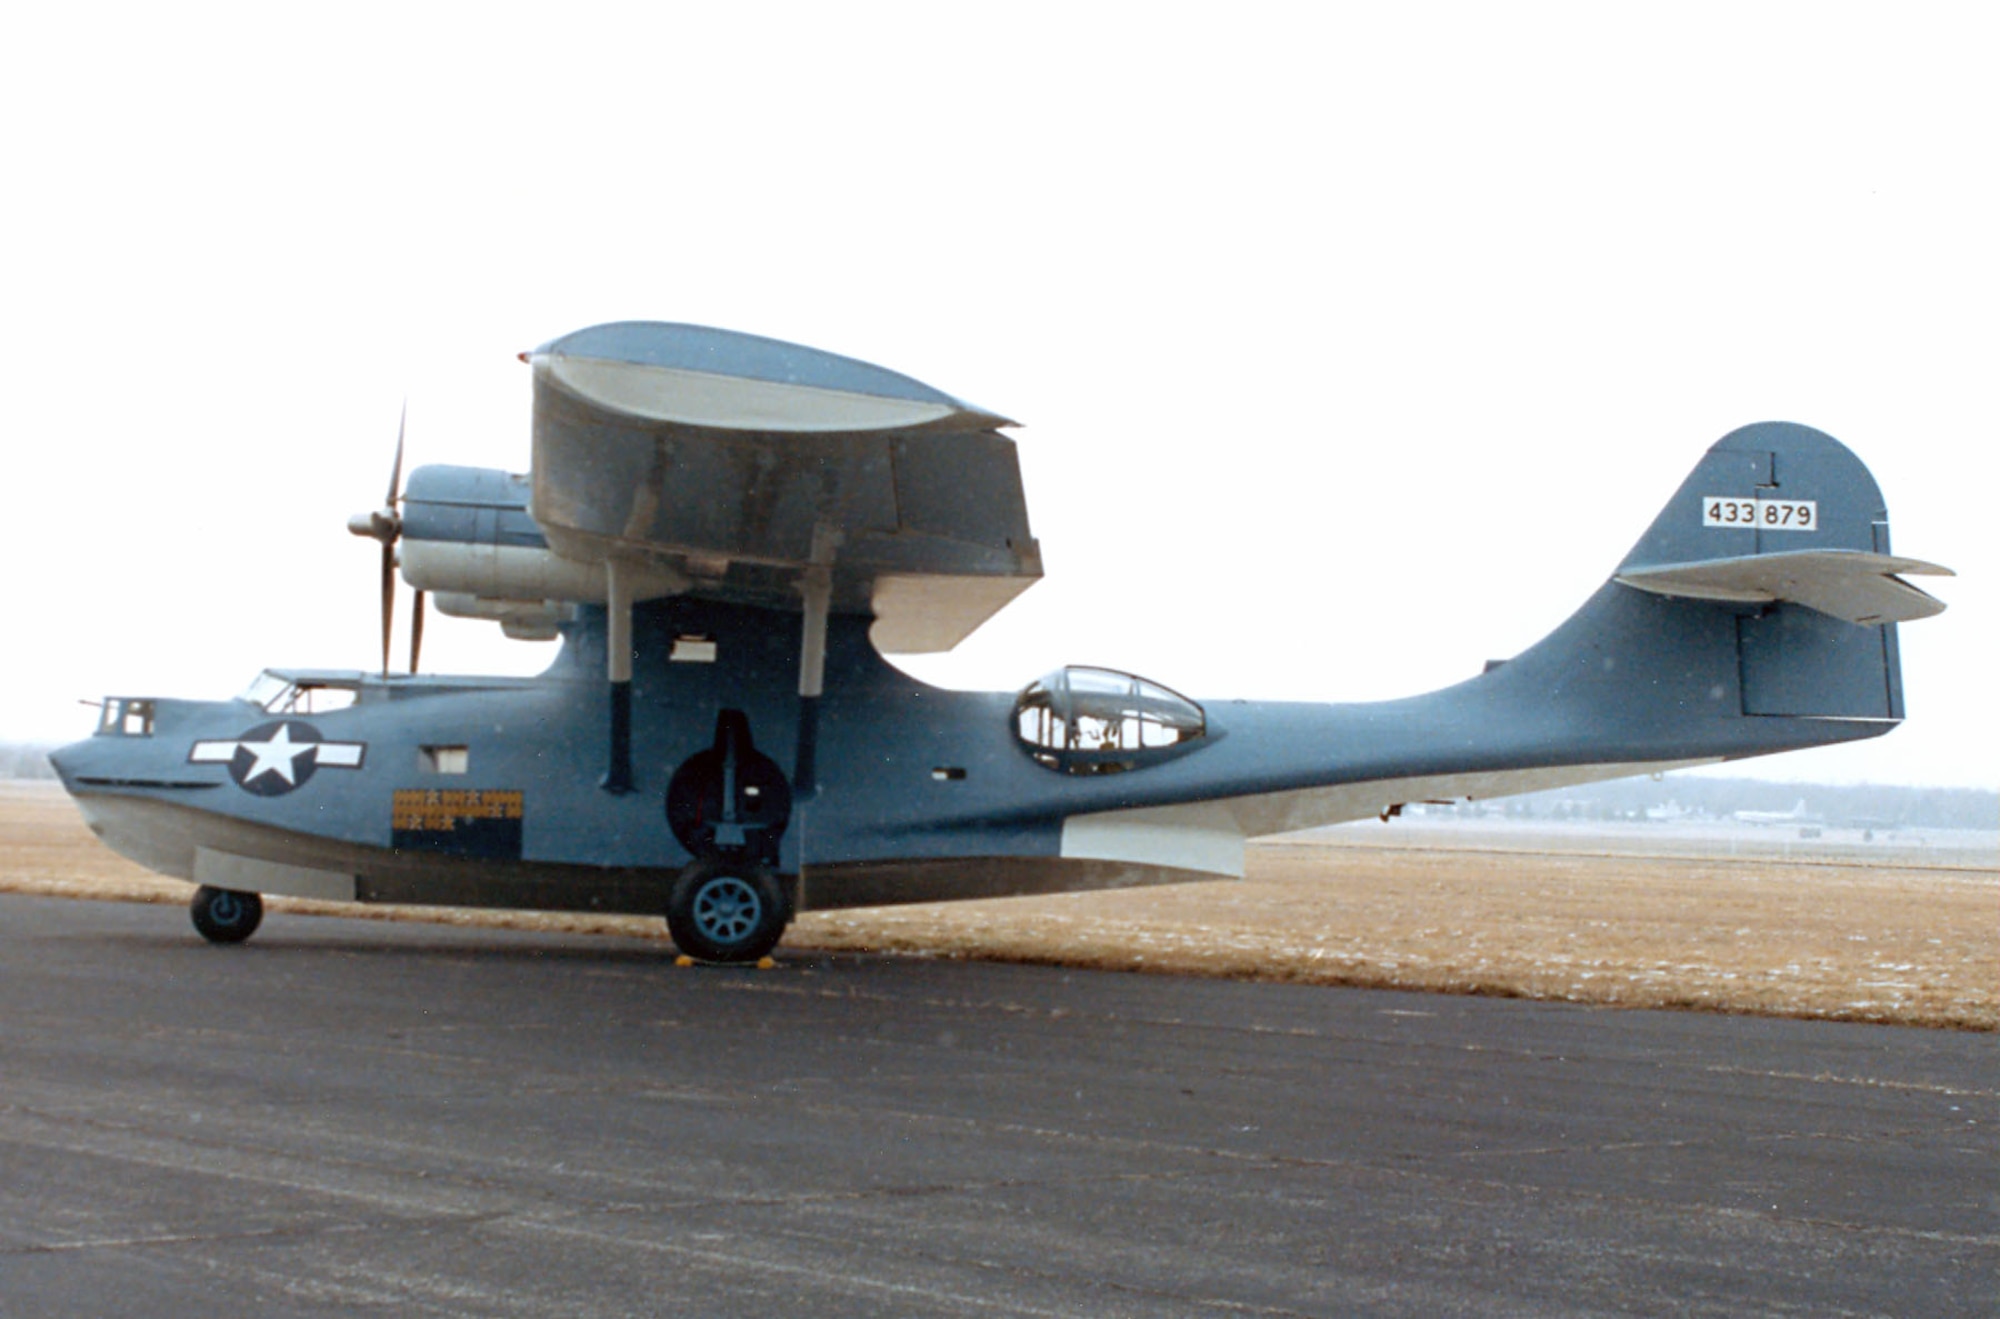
x=468, y=538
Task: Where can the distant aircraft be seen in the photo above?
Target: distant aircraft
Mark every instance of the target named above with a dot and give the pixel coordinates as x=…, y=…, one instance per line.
x=727, y=533
x=1797, y=815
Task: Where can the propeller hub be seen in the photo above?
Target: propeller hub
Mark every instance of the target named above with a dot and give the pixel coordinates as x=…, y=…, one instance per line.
x=383, y=524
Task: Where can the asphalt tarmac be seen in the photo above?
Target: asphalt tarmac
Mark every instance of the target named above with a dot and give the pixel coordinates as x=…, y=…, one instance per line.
x=347, y=1116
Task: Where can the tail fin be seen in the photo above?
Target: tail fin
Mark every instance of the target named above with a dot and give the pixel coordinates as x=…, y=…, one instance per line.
x=1755, y=615
x=1787, y=527
x=1781, y=512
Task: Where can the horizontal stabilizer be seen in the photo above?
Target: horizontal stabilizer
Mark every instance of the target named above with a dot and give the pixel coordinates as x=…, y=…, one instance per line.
x=1855, y=585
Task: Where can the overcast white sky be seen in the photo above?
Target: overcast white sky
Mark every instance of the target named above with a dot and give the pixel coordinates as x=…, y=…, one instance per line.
x=1353, y=344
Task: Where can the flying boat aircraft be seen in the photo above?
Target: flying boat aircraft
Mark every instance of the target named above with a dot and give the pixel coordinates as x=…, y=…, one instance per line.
x=727, y=534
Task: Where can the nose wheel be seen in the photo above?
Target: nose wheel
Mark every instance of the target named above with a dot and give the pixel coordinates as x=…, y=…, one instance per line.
x=225, y=915
x=727, y=910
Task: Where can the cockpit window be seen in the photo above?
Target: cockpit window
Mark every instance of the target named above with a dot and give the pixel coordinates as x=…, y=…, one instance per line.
x=280, y=695
x=1100, y=721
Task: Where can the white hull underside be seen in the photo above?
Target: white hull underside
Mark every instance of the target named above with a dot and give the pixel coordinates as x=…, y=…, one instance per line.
x=1210, y=835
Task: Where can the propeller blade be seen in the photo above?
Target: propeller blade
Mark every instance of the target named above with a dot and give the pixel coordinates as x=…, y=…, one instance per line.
x=396, y=472
x=388, y=600
x=416, y=629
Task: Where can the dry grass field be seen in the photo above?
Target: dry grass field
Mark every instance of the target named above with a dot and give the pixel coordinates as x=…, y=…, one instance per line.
x=1911, y=941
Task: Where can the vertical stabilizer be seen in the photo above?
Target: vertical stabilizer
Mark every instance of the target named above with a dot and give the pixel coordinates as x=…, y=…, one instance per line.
x=1785, y=529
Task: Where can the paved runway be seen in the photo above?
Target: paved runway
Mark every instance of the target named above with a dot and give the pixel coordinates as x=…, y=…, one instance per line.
x=347, y=1115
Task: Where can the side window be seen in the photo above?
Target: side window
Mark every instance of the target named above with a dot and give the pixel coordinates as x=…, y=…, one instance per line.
x=125, y=716
x=317, y=698
x=1100, y=721
x=444, y=760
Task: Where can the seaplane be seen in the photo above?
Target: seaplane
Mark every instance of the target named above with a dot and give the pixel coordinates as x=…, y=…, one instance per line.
x=728, y=536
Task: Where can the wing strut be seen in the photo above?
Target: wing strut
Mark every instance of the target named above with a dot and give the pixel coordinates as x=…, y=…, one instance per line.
x=618, y=669
x=817, y=586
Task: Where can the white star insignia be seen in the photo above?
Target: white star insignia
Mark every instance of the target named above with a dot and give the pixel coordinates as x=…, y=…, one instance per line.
x=277, y=756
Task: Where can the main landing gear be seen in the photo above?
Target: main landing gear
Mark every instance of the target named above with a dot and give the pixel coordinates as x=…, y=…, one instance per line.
x=224, y=915
x=728, y=805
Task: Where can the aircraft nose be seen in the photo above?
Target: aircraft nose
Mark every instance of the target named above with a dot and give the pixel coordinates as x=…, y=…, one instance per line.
x=63, y=760
x=77, y=760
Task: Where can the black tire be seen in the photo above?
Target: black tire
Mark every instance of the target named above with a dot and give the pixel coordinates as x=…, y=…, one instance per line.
x=725, y=909
x=224, y=915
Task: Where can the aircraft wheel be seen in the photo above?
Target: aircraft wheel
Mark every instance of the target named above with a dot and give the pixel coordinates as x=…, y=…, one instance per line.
x=224, y=915
x=725, y=910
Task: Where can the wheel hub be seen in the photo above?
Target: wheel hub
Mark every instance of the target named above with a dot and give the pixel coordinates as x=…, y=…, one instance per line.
x=727, y=909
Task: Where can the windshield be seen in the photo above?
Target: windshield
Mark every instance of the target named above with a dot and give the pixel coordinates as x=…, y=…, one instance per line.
x=265, y=688
x=280, y=695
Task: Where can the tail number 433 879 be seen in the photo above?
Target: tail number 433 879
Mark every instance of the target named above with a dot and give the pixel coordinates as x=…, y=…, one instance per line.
x=1765, y=514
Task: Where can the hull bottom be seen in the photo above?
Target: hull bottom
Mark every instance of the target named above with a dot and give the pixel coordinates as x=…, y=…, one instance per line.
x=205, y=848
